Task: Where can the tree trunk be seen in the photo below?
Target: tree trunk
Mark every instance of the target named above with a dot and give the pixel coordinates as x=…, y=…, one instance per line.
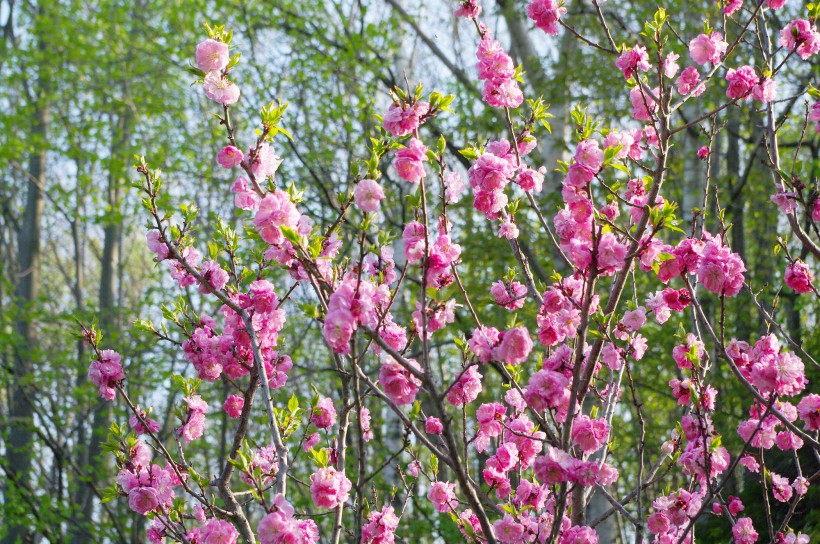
x=22, y=391
x=121, y=134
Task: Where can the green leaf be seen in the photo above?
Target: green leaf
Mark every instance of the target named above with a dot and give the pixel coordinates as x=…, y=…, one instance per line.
x=293, y=404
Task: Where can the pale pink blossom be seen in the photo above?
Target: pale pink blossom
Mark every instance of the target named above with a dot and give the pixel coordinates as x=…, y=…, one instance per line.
x=229, y=156
x=367, y=195
x=212, y=55
x=233, y=406
x=329, y=487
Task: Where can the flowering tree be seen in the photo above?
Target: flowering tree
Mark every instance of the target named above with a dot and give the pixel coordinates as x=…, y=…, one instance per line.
x=525, y=464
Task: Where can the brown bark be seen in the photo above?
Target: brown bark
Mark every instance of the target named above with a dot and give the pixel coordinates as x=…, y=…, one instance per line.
x=22, y=391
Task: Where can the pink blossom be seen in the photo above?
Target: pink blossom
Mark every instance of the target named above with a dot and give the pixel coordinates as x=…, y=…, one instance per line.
x=482, y=342
x=410, y=161
x=433, y=426
x=670, y=65
x=643, y=105
x=338, y=329
x=364, y=423
x=367, y=195
x=310, y=442
x=632, y=60
x=405, y=119
x=106, y=373
x=510, y=296
x=469, y=9
x=579, y=534
x=244, y=197
x=705, y=49
x=329, y=487
x=143, y=500
x=515, y=346
x=635, y=319
x=280, y=527
x=453, y=186
x=212, y=55
x=218, y=531
x=801, y=36
x=781, y=488
x=744, y=532
x=689, y=82
x=703, y=152
x=502, y=93
x=508, y=230
x=589, y=434
x=229, y=156
x=611, y=254
x=765, y=90
x=741, y=82
x=658, y=523
x=275, y=211
x=488, y=417
x=233, y=406
x=194, y=425
x=263, y=161
x=508, y=531
x=720, y=270
x=399, y=384
x=442, y=495
x=531, y=180
x=381, y=526
x=139, y=428
x=750, y=463
x=215, y=278
x=589, y=155
x=546, y=14
x=156, y=246
x=323, y=414
x=799, y=277
x=809, y=411
x=220, y=89
x=732, y=6
x=466, y=389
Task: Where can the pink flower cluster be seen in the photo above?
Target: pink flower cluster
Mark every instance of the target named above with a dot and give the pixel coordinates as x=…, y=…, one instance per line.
x=212, y=57
x=399, y=383
x=149, y=487
x=557, y=466
x=509, y=295
x=381, y=526
x=367, y=195
x=672, y=515
x=799, y=277
x=403, y=119
x=410, y=161
x=708, y=49
x=559, y=316
x=546, y=14
x=329, y=487
x=632, y=60
x=280, y=527
x=801, y=36
x=768, y=366
x=211, y=353
x=496, y=70
x=194, y=421
x=106, y=373
x=323, y=415
x=443, y=253
x=443, y=496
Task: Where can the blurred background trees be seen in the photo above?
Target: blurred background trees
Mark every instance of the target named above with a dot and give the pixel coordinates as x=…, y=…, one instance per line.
x=88, y=84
